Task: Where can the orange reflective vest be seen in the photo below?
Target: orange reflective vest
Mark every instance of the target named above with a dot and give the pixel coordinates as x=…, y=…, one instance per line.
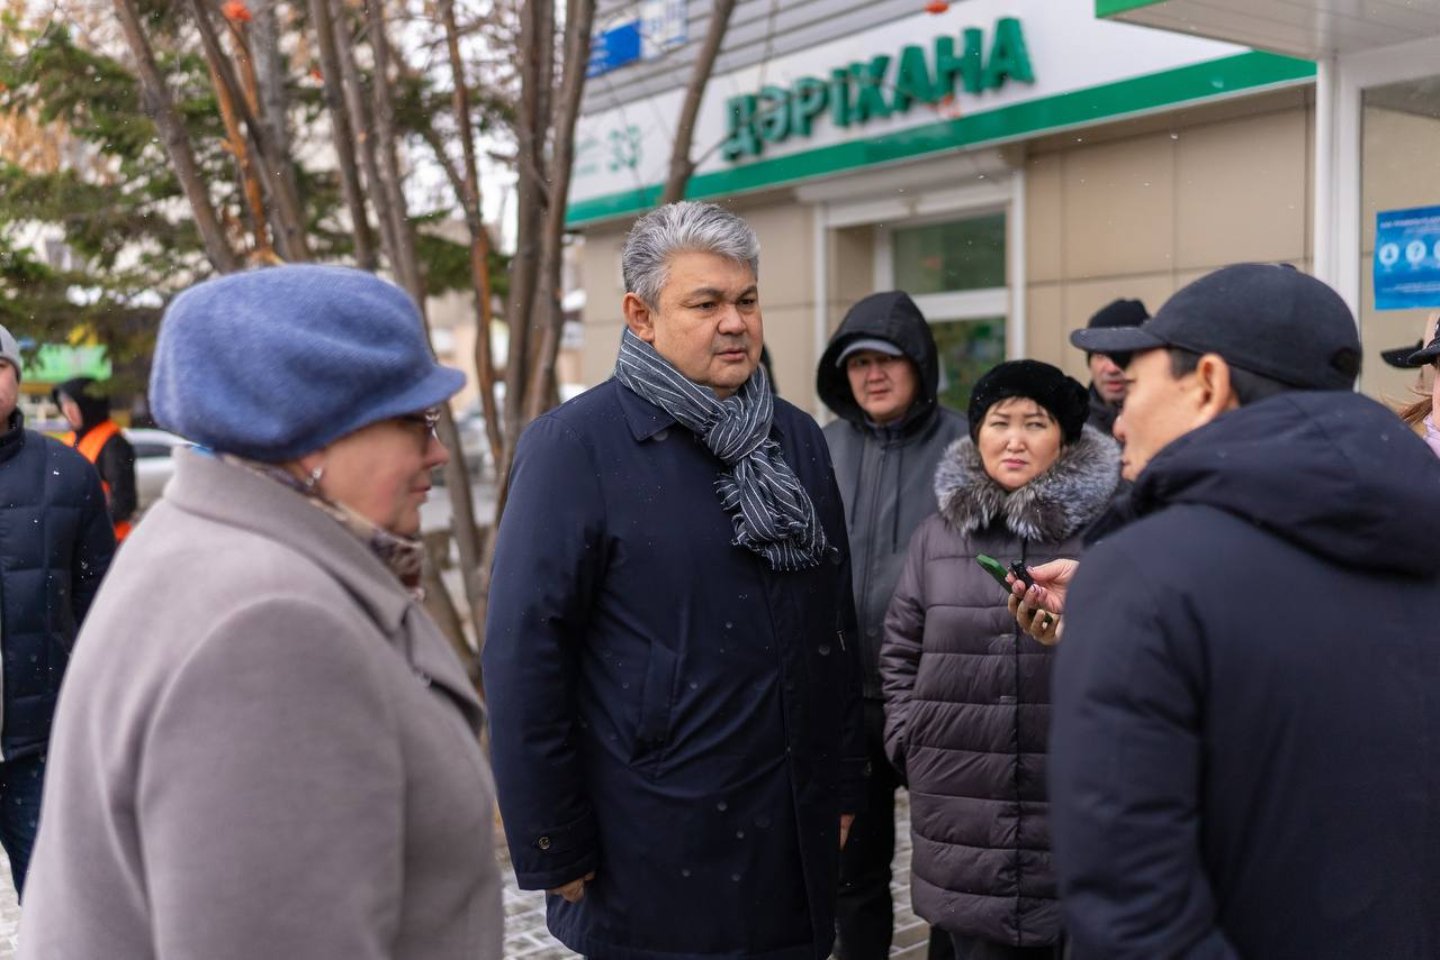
x=90, y=446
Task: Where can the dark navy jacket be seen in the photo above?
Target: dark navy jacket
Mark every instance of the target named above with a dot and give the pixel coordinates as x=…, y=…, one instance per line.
x=1245, y=739
x=55, y=545
x=666, y=710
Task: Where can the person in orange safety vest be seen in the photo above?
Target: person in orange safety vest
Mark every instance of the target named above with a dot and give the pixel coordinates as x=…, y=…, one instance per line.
x=99, y=440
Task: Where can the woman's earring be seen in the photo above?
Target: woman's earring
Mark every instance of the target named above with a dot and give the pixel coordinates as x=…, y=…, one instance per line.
x=313, y=479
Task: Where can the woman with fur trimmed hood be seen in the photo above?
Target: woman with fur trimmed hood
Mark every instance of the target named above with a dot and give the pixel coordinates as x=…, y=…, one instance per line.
x=967, y=692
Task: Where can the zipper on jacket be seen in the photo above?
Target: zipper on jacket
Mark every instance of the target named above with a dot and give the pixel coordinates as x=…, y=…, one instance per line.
x=1019, y=758
x=871, y=545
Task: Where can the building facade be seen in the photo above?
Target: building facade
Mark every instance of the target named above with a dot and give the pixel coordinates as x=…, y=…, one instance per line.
x=1013, y=164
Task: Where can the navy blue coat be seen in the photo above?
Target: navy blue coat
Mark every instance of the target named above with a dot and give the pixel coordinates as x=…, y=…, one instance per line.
x=55, y=546
x=666, y=710
x=1245, y=733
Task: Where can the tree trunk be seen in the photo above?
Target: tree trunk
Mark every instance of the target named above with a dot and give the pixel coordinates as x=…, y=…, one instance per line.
x=161, y=109
x=469, y=193
x=681, y=166
x=407, y=267
x=250, y=188
x=537, y=42
x=268, y=74
x=391, y=182
x=580, y=15
x=343, y=133
x=292, y=237
x=364, y=126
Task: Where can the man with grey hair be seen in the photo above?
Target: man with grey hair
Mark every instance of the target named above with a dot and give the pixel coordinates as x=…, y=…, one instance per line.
x=670, y=657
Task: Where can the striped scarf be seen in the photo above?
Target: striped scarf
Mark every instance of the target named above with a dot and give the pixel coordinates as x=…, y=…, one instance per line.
x=772, y=513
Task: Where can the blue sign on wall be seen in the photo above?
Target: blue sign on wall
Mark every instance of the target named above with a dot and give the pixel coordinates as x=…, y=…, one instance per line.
x=1407, y=258
x=614, y=48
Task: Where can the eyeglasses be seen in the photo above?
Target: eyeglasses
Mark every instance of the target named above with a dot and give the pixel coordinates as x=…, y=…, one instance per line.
x=424, y=423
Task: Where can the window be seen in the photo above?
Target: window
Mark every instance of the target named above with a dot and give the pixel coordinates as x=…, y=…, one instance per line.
x=966, y=348
x=943, y=257
x=956, y=272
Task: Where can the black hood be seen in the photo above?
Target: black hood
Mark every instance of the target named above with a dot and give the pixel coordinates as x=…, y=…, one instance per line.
x=94, y=406
x=890, y=316
x=1333, y=472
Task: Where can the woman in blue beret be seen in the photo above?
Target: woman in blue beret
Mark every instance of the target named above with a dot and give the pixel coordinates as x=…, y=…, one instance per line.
x=264, y=746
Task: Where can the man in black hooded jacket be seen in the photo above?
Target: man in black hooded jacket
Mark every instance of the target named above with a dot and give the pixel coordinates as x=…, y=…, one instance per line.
x=880, y=375
x=1245, y=738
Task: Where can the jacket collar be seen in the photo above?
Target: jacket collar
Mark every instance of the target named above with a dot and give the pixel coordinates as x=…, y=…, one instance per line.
x=206, y=486
x=1053, y=507
x=646, y=420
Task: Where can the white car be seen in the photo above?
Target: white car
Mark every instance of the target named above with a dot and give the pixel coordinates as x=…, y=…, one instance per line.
x=154, y=462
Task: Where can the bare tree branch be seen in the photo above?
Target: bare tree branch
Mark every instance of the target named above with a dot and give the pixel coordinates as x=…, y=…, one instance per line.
x=292, y=236
x=161, y=109
x=479, y=236
x=364, y=127
x=391, y=182
x=580, y=16
x=344, y=133
x=681, y=166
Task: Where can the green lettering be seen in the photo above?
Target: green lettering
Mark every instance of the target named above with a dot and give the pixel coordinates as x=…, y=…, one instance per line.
x=840, y=109
x=773, y=118
x=966, y=67
x=807, y=101
x=870, y=84
x=912, y=80
x=740, y=138
x=1008, y=56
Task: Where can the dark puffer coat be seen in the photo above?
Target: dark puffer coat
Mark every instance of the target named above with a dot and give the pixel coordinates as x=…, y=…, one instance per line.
x=1247, y=734
x=55, y=546
x=967, y=693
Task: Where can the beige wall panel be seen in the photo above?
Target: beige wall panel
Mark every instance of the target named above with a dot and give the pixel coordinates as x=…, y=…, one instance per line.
x=1044, y=240
x=597, y=357
x=1240, y=191
x=1118, y=208
x=600, y=268
x=851, y=269
x=1045, y=317
x=787, y=261
x=1399, y=167
x=788, y=334
x=604, y=289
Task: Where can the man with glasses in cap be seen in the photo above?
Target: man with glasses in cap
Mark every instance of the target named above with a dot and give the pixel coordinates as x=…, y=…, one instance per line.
x=1245, y=739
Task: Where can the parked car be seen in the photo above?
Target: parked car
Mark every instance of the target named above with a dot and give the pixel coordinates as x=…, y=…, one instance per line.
x=154, y=462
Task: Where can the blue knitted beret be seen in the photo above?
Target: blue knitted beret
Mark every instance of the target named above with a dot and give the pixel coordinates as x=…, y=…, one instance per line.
x=275, y=363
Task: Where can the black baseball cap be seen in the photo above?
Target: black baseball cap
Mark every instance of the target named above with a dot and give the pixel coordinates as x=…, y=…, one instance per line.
x=1426, y=354
x=1116, y=313
x=1270, y=319
x=1400, y=356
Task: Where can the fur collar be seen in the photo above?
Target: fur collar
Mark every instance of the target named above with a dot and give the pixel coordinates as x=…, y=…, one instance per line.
x=1052, y=508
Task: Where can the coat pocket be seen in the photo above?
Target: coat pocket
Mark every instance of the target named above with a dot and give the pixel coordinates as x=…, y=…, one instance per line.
x=656, y=698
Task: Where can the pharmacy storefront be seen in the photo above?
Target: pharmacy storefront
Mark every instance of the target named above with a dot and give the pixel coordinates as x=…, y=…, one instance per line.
x=1376, y=154
x=1013, y=164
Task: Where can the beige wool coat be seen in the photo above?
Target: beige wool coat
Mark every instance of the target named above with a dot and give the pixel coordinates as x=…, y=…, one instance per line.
x=263, y=748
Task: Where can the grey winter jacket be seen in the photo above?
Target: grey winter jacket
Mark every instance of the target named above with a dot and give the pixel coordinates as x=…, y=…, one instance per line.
x=968, y=694
x=886, y=474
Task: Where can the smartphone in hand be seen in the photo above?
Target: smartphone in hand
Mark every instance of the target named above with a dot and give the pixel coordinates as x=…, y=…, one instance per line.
x=995, y=568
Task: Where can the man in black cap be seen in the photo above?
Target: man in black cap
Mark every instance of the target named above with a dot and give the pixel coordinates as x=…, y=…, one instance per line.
x=1245, y=738
x=1107, y=371
x=880, y=375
